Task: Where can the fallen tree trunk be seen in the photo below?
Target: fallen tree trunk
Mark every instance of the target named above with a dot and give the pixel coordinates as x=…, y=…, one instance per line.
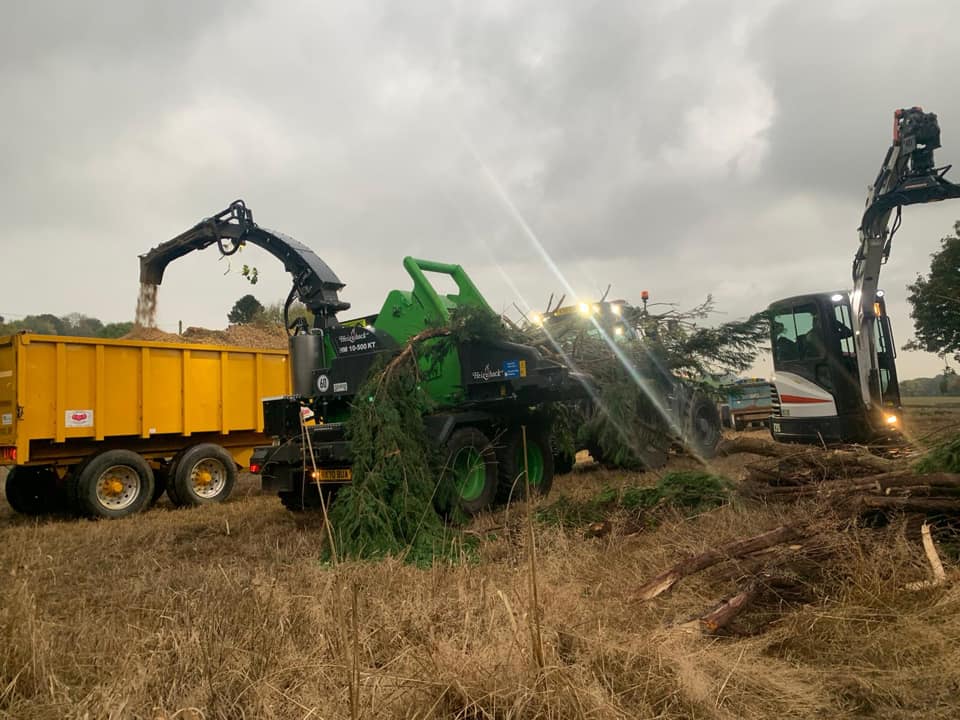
x=738, y=548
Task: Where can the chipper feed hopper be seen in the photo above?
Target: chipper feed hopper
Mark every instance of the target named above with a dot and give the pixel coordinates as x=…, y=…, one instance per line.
x=480, y=392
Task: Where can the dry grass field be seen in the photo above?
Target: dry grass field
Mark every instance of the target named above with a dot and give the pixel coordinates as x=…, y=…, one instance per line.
x=230, y=612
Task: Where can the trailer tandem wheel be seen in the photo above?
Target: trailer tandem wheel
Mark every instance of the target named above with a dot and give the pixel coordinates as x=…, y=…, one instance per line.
x=540, y=461
x=202, y=474
x=33, y=490
x=112, y=484
x=472, y=466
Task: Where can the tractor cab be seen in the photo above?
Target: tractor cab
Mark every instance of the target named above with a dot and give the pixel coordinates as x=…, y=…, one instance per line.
x=817, y=395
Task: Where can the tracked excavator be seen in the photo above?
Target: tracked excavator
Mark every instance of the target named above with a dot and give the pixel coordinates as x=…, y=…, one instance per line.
x=478, y=390
x=834, y=358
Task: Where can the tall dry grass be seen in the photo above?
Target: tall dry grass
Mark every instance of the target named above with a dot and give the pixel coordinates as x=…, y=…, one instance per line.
x=230, y=612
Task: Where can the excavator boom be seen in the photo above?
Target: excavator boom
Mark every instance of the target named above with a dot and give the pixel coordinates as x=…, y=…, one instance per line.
x=908, y=176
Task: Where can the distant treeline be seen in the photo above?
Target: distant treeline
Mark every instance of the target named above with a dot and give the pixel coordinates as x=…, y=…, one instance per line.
x=74, y=324
x=945, y=384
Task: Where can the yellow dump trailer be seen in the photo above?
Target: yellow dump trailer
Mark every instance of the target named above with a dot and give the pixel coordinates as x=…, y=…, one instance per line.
x=105, y=426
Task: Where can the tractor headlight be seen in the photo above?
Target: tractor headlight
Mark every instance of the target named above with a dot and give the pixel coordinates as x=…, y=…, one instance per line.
x=892, y=419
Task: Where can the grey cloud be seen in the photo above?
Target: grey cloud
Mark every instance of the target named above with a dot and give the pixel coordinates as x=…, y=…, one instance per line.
x=684, y=147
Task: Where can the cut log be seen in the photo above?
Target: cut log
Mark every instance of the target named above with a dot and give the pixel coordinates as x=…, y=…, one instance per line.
x=754, y=446
x=910, y=504
x=725, y=612
x=738, y=548
x=932, y=555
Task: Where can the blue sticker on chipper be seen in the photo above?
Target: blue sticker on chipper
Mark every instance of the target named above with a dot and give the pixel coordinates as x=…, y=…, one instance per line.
x=511, y=368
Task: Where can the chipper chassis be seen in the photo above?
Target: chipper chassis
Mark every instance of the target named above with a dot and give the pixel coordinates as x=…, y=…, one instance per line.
x=482, y=392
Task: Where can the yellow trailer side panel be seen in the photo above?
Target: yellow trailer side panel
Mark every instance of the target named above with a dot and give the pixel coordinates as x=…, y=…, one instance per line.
x=8, y=393
x=60, y=389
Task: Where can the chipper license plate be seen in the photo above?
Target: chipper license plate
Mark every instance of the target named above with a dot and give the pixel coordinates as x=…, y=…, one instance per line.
x=334, y=474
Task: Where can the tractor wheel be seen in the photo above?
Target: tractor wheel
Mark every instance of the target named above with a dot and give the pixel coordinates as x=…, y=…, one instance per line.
x=595, y=452
x=512, y=484
x=33, y=490
x=563, y=462
x=472, y=466
x=702, y=430
x=654, y=457
x=113, y=484
x=201, y=475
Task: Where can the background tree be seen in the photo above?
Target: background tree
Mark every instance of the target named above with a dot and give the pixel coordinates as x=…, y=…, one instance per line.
x=72, y=325
x=115, y=330
x=935, y=301
x=272, y=314
x=245, y=310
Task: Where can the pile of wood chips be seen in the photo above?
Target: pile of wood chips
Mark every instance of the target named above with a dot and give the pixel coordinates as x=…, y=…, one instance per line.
x=248, y=336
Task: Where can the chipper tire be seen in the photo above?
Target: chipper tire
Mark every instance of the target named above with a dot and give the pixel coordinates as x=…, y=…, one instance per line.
x=306, y=498
x=512, y=484
x=33, y=490
x=113, y=484
x=472, y=466
x=201, y=475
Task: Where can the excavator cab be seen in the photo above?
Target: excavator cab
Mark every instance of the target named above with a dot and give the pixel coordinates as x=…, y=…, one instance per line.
x=816, y=388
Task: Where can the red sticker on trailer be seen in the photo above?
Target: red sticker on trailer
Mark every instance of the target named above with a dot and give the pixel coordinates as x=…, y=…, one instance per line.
x=78, y=418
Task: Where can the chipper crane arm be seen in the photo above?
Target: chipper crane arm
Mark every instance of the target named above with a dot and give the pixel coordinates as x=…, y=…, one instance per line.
x=907, y=177
x=313, y=281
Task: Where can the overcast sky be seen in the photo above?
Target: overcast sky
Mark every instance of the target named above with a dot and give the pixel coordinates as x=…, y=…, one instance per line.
x=685, y=148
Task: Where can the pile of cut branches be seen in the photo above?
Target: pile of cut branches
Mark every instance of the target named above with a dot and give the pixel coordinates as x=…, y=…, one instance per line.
x=853, y=480
x=785, y=566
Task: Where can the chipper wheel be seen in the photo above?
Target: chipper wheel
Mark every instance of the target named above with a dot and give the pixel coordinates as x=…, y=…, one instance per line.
x=112, y=484
x=201, y=475
x=472, y=466
x=307, y=497
x=33, y=490
x=512, y=484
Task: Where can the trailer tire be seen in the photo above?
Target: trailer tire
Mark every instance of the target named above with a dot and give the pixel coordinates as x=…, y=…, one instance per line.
x=471, y=465
x=511, y=466
x=112, y=484
x=32, y=490
x=201, y=475
x=160, y=477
